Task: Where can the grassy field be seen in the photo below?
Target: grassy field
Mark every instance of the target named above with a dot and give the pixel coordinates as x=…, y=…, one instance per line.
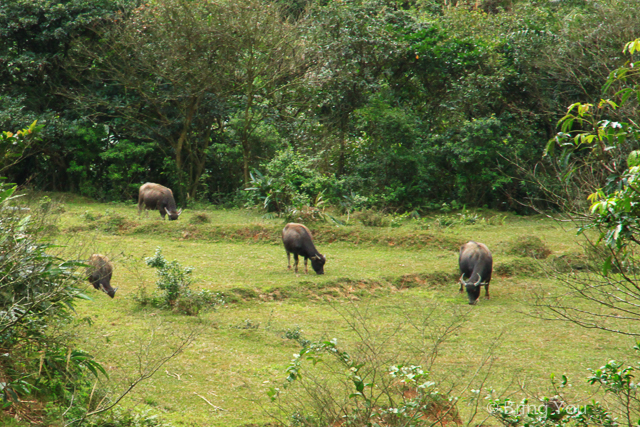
x=389, y=293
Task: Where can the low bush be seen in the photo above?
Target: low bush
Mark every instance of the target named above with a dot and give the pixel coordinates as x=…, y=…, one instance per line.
x=372, y=218
x=404, y=395
x=614, y=378
x=120, y=417
x=110, y=222
x=528, y=246
x=173, y=289
x=363, y=382
x=38, y=291
x=199, y=218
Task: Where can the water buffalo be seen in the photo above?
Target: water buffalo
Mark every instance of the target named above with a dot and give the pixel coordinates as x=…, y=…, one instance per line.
x=476, y=263
x=298, y=241
x=99, y=274
x=155, y=196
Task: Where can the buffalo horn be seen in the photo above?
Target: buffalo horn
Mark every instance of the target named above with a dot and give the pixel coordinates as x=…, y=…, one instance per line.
x=462, y=279
x=179, y=211
x=479, y=280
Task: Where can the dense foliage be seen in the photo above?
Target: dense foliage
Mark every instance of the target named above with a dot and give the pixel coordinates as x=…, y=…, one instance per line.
x=37, y=295
x=399, y=104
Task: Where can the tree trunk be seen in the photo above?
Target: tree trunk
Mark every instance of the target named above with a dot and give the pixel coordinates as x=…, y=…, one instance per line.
x=341, y=155
x=246, y=130
x=246, y=154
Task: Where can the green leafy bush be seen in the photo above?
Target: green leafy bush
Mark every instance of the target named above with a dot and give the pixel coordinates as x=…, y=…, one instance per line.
x=174, y=282
x=410, y=398
x=614, y=378
x=119, y=417
x=37, y=295
x=291, y=181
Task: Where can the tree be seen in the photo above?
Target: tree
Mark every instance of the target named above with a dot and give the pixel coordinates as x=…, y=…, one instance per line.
x=269, y=62
x=175, y=71
x=589, y=140
x=155, y=77
x=353, y=49
x=35, y=40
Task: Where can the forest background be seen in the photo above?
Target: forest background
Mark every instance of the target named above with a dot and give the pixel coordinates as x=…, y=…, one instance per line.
x=401, y=105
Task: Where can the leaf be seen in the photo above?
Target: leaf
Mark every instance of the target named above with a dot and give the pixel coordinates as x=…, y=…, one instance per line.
x=606, y=267
x=6, y=194
x=626, y=94
x=632, y=47
x=567, y=123
x=608, y=102
x=550, y=149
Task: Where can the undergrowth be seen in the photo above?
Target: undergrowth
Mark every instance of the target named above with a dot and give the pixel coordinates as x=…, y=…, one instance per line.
x=173, y=289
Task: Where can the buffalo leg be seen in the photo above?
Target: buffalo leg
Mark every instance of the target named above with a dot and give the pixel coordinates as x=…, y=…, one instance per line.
x=305, y=266
x=289, y=260
x=486, y=292
x=295, y=263
x=461, y=282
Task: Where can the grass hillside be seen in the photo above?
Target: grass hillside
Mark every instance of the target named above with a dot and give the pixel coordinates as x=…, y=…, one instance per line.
x=389, y=296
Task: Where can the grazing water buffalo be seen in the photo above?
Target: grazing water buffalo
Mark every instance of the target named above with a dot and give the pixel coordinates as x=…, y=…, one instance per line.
x=476, y=263
x=155, y=196
x=99, y=274
x=298, y=241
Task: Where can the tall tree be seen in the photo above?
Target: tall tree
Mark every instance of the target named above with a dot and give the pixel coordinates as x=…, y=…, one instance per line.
x=175, y=71
x=354, y=47
x=35, y=41
x=269, y=61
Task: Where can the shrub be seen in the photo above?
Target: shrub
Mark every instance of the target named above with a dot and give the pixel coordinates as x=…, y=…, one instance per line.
x=410, y=398
x=445, y=221
x=89, y=216
x=200, y=218
x=173, y=286
x=614, y=378
x=363, y=382
x=111, y=222
x=529, y=246
x=371, y=218
x=126, y=418
x=291, y=180
x=295, y=334
x=37, y=295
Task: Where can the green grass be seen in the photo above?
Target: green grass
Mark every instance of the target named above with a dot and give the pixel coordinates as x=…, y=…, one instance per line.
x=390, y=275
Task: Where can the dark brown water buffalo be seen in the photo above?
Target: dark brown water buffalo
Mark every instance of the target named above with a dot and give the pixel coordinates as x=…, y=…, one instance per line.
x=298, y=241
x=476, y=264
x=99, y=274
x=155, y=196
